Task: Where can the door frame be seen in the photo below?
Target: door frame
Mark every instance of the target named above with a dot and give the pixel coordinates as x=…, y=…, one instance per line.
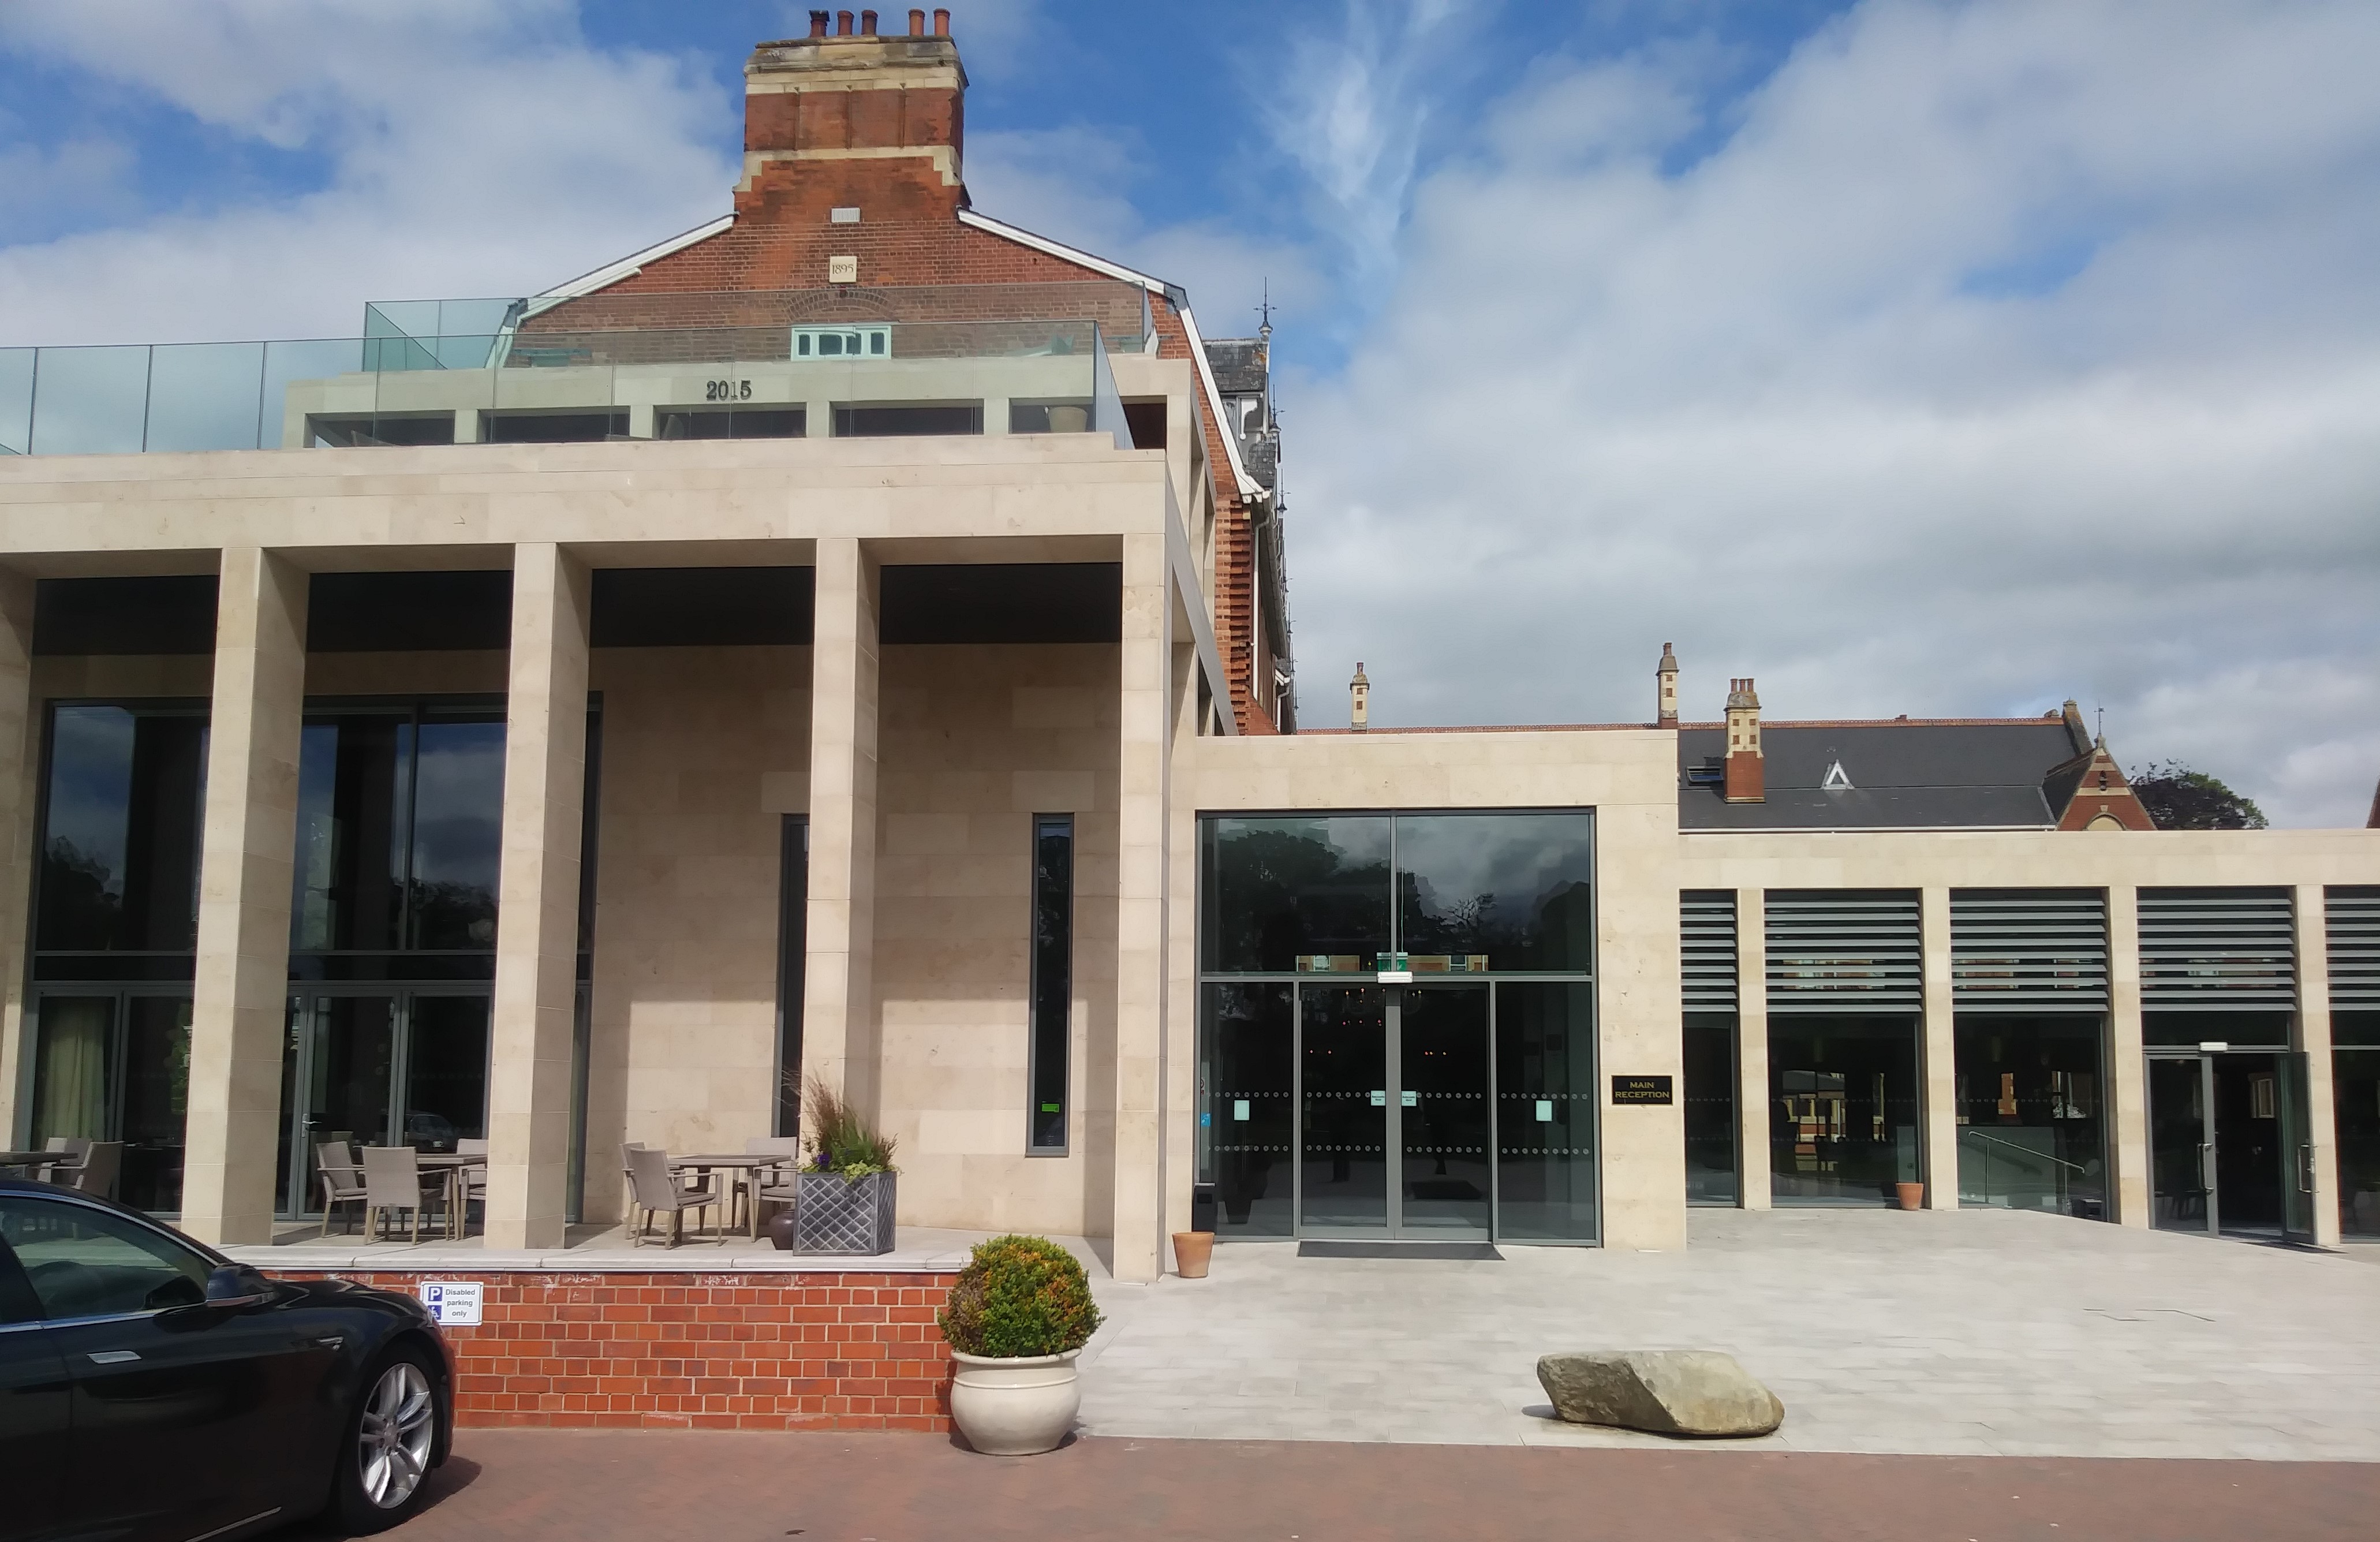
x=292, y=1204
x=1392, y=1228
x=2289, y=1069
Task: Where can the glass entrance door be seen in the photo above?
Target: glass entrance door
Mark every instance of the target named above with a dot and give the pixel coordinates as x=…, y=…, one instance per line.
x=2225, y=1133
x=387, y=1068
x=1342, y=1110
x=1441, y=1112
x=1394, y=1111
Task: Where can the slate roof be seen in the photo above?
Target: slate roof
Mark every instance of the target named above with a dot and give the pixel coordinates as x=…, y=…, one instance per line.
x=1239, y=365
x=1963, y=773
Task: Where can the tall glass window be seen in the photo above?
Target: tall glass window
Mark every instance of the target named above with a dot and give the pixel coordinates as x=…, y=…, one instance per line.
x=2032, y=1113
x=124, y=787
x=1052, y=993
x=793, y=934
x=1545, y=1111
x=1844, y=1110
x=1496, y=891
x=1247, y=1106
x=2355, y=1102
x=400, y=820
x=1709, y=1093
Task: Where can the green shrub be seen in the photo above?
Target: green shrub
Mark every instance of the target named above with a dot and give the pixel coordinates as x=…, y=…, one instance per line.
x=841, y=1140
x=1019, y=1296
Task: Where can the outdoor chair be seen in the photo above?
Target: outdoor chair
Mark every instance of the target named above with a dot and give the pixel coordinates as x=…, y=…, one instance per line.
x=657, y=1192
x=392, y=1181
x=342, y=1184
x=473, y=1180
x=73, y=1148
x=96, y=1173
x=774, y=1186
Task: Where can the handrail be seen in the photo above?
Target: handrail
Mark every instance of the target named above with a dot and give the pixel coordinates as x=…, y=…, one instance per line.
x=2028, y=1150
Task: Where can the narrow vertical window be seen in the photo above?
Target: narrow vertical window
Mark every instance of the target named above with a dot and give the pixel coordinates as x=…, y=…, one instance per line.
x=1052, y=988
x=793, y=935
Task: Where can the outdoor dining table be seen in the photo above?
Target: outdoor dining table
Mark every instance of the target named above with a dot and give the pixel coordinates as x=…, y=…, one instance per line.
x=745, y=1167
x=33, y=1159
x=454, y=1164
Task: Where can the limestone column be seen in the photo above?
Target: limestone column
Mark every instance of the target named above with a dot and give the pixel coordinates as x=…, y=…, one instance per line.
x=1938, y=1066
x=17, y=783
x=537, y=901
x=239, y=1008
x=1751, y=1108
x=838, y=975
x=1145, y=710
x=2314, y=1039
x=2127, y=1106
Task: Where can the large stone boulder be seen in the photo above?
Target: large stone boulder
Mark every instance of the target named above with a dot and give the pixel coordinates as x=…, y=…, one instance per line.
x=1668, y=1391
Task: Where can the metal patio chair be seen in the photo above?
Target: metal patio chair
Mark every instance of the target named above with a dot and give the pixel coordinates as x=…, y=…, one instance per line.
x=656, y=1192
x=392, y=1181
x=774, y=1184
x=342, y=1184
x=70, y=1149
x=102, y=1159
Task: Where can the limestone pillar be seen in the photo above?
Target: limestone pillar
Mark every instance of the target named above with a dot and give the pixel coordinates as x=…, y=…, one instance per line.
x=1144, y=699
x=2128, y=1116
x=838, y=975
x=537, y=901
x=19, y=741
x=1179, y=1175
x=1752, y=1110
x=2314, y=1039
x=239, y=1008
x=1937, y=1067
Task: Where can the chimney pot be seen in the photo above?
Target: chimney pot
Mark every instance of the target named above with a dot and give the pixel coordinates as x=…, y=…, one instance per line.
x=941, y=23
x=817, y=24
x=842, y=24
x=867, y=24
x=916, y=24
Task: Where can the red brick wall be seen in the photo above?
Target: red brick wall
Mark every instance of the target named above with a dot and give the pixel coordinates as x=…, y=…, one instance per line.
x=760, y=1350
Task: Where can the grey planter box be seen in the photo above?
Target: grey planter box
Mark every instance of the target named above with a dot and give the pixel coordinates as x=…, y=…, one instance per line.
x=834, y=1214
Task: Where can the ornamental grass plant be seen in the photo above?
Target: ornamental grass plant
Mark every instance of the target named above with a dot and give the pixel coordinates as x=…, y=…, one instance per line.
x=1019, y=1296
x=841, y=1138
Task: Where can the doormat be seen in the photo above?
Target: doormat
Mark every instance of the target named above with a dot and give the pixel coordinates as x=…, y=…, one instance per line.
x=1474, y=1250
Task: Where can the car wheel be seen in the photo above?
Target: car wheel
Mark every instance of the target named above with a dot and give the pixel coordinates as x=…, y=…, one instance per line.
x=384, y=1463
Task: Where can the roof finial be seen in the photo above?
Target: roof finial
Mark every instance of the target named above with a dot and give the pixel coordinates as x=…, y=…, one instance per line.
x=1265, y=310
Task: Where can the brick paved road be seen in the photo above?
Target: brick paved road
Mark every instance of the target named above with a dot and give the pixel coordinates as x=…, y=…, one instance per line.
x=663, y=1485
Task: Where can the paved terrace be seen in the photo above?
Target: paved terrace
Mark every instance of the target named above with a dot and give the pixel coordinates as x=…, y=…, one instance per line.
x=1967, y=1333
x=1951, y=1333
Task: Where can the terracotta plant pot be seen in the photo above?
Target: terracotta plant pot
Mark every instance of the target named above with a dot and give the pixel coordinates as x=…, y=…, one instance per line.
x=1015, y=1407
x=1191, y=1251
x=1912, y=1195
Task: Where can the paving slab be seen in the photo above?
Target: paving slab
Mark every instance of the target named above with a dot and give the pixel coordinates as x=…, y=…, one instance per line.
x=1928, y=1332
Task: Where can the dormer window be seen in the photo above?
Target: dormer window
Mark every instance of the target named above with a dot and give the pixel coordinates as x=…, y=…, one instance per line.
x=842, y=341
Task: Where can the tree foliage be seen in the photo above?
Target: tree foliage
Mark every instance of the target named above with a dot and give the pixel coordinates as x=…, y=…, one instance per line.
x=2179, y=799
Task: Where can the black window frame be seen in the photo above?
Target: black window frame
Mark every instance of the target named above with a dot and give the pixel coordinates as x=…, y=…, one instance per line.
x=1050, y=990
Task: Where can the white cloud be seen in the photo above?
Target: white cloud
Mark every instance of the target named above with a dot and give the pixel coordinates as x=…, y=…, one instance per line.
x=1076, y=184
x=473, y=147
x=1999, y=354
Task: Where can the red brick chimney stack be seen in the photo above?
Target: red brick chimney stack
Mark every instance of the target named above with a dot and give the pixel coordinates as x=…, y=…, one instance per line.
x=1746, y=767
x=853, y=120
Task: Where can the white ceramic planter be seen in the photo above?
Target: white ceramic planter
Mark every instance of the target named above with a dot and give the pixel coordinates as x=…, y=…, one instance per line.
x=1015, y=1407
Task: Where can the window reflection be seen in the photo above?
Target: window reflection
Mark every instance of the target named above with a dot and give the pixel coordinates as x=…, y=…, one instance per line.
x=2031, y=1130
x=120, y=837
x=1279, y=890
x=1247, y=1118
x=1842, y=1120
x=399, y=832
x=1545, y=1111
x=1514, y=889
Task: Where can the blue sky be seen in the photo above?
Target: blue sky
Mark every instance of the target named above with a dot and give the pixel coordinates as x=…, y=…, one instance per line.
x=1911, y=356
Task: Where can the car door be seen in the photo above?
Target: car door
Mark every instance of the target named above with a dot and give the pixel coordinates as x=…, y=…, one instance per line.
x=184, y=1413
x=35, y=1397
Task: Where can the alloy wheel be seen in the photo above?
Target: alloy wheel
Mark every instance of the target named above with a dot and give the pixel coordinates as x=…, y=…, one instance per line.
x=393, y=1437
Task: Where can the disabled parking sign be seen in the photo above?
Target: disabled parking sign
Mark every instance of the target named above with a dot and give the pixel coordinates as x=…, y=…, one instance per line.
x=453, y=1303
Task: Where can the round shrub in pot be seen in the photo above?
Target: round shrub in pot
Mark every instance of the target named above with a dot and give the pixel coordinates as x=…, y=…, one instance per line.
x=1017, y=1316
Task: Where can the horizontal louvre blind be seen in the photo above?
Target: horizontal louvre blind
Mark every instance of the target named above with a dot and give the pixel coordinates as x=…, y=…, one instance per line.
x=2216, y=949
x=2353, y=922
x=1843, y=949
x=1706, y=933
x=2028, y=950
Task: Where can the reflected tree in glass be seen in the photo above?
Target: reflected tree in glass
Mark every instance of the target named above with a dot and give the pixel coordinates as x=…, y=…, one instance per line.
x=1518, y=888
x=1278, y=888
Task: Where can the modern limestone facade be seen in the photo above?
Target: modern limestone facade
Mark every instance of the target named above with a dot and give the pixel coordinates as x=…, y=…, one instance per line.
x=848, y=641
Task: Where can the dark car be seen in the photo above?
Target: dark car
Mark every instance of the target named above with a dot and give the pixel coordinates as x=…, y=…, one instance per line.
x=152, y=1388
